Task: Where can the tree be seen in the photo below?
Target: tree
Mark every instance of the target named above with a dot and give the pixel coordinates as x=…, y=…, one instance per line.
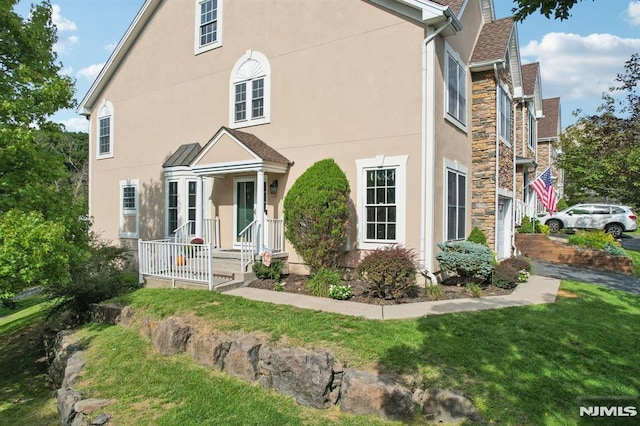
x=601, y=153
x=41, y=222
x=558, y=8
x=316, y=215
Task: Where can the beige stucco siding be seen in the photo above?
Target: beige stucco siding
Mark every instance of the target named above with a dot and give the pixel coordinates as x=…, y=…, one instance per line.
x=345, y=83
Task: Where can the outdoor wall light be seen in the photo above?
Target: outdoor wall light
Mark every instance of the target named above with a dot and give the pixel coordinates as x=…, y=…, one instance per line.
x=273, y=188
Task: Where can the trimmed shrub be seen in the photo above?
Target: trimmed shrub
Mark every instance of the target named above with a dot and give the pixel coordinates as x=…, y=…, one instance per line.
x=520, y=263
x=505, y=276
x=532, y=225
x=477, y=236
x=271, y=272
x=469, y=261
x=613, y=249
x=320, y=282
x=316, y=215
x=390, y=271
x=596, y=240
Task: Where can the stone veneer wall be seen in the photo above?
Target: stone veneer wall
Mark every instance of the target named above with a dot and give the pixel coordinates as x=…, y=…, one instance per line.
x=483, y=181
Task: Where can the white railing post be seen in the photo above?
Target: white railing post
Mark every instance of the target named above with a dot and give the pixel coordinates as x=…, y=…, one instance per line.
x=217, y=232
x=209, y=260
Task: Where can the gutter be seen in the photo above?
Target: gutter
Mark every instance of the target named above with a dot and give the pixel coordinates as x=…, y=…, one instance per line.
x=495, y=202
x=427, y=158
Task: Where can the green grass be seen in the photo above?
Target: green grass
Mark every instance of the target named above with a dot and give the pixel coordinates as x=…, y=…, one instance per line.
x=635, y=257
x=525, y=365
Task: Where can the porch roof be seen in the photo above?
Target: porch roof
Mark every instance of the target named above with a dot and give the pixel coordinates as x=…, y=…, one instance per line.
x=234, y=151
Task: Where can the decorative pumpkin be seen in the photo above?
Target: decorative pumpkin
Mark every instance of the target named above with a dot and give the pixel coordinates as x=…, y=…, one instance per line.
x=181, y=260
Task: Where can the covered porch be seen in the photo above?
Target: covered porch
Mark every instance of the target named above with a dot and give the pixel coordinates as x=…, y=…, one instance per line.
x=229, y=212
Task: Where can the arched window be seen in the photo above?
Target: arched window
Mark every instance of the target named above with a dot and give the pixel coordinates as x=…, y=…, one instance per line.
x=250, y=91
x=104, y=148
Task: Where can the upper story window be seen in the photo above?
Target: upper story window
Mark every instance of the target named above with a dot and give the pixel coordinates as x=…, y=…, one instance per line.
x=250, y=91
x=504, y=114
x=104, y=138
x=208, y=25
x=533, y=130
x=456, y=89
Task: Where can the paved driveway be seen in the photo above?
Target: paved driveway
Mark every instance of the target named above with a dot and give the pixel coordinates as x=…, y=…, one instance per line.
x=631, y=243
x=622, y=282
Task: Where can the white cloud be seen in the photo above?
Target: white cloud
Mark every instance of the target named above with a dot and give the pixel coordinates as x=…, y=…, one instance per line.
x=62, y=23
x=634, y=12
x=76, y=124
x=63, y=45
x=579, y=67
x=109, y=47
x=90, y=72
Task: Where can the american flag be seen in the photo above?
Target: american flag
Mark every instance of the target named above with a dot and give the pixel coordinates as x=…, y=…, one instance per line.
x=545, y=192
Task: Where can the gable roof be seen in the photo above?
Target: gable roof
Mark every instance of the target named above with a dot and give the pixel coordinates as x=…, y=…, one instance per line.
x=454, y=5
x=498, y=44
x=257, y=146
x=529, y=77
x=549, y=127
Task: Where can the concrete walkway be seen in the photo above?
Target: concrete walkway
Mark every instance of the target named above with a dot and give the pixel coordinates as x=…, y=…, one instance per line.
x=535, y=291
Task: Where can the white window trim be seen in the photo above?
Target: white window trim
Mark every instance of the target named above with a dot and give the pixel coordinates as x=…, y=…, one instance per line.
x=533, y=129
x=454, y=166
x=197, y=48
x=362, y=165
x=182, y=176
x=451, y=118
x=500, y=89
x=106, y=110
x=252, y=65
x=135, y=183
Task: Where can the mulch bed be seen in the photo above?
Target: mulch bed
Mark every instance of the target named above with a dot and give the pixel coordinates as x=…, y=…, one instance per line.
x=452, y=289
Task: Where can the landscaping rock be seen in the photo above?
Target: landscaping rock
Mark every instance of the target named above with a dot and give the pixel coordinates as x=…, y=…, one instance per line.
x=171, y=336
x=101, y=419
x=365, y=393
x=65, y=345
x=88, y=406
x=307, y=376
x=242, y=359
x=126, y=317
x=209, y=349
x=74, y=366
x=67, y=399
x=108, y=313
x=443, y=406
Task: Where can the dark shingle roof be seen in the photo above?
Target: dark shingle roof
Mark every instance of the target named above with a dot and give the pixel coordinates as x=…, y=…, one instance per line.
x=257, y=146
x=529, y=76
x=183, y=156
x=454, y=5
x=549, y=125
x=493, y=41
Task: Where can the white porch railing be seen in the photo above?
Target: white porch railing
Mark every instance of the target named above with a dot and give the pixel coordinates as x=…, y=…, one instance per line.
x=247, y=242
x=523, y=209
x=210, y=232
x=177, y=261
x=274, y=238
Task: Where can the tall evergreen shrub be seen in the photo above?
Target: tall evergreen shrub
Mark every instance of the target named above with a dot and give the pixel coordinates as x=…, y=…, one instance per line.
x=316, y=215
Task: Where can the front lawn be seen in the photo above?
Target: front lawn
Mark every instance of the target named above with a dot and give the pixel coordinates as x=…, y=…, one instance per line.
x=525, y=365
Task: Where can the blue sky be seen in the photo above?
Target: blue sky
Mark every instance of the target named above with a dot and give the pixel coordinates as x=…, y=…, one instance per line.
x=579, y=57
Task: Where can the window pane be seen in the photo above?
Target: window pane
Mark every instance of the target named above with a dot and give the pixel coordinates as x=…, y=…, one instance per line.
x=208, y=22
x=451, y=223
x=381, y=233
x=257, y=96
x=391, y=195
x=381, y=214
x=371, y=231
x=391, y=232
x=380, y=199
x=371, y=214
x=241, y=102
x=105, y=135
x=129, y=197
x=391, y=214
x=461, y=223
x=370, y=179
x=380, y=178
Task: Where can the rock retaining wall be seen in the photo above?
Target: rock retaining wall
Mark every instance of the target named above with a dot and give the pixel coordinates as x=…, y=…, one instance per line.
x=314, y=378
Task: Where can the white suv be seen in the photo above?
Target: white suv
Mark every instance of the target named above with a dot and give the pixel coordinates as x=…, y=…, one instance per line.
x=612, y=218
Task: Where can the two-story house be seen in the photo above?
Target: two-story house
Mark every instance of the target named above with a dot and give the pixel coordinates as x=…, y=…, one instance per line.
x=208, y=111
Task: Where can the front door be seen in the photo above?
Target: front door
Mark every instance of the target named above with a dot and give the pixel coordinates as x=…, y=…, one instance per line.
x=244, y=205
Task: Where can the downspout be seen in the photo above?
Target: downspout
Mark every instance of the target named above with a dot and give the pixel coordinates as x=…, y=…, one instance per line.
x=427, y=188
x=495, y=206
x=514, y=200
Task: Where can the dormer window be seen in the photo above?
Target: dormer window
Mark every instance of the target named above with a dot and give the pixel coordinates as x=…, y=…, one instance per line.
x=250, y=89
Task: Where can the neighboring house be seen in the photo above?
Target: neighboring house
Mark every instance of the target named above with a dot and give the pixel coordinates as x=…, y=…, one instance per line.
x=208, y=111
x=549, y=131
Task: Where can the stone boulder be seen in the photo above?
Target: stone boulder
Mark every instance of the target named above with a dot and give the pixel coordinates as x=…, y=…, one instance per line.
x=67, y=399
x=444, y=406
x=170, y=336
x=107, y=313
x=243, y=356
x=209, y=349
x=64, y=346
x=366, y=393
x=305, y=375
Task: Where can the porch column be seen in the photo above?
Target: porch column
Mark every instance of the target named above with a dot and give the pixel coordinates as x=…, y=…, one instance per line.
x=259, y=211
x=199, y=195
